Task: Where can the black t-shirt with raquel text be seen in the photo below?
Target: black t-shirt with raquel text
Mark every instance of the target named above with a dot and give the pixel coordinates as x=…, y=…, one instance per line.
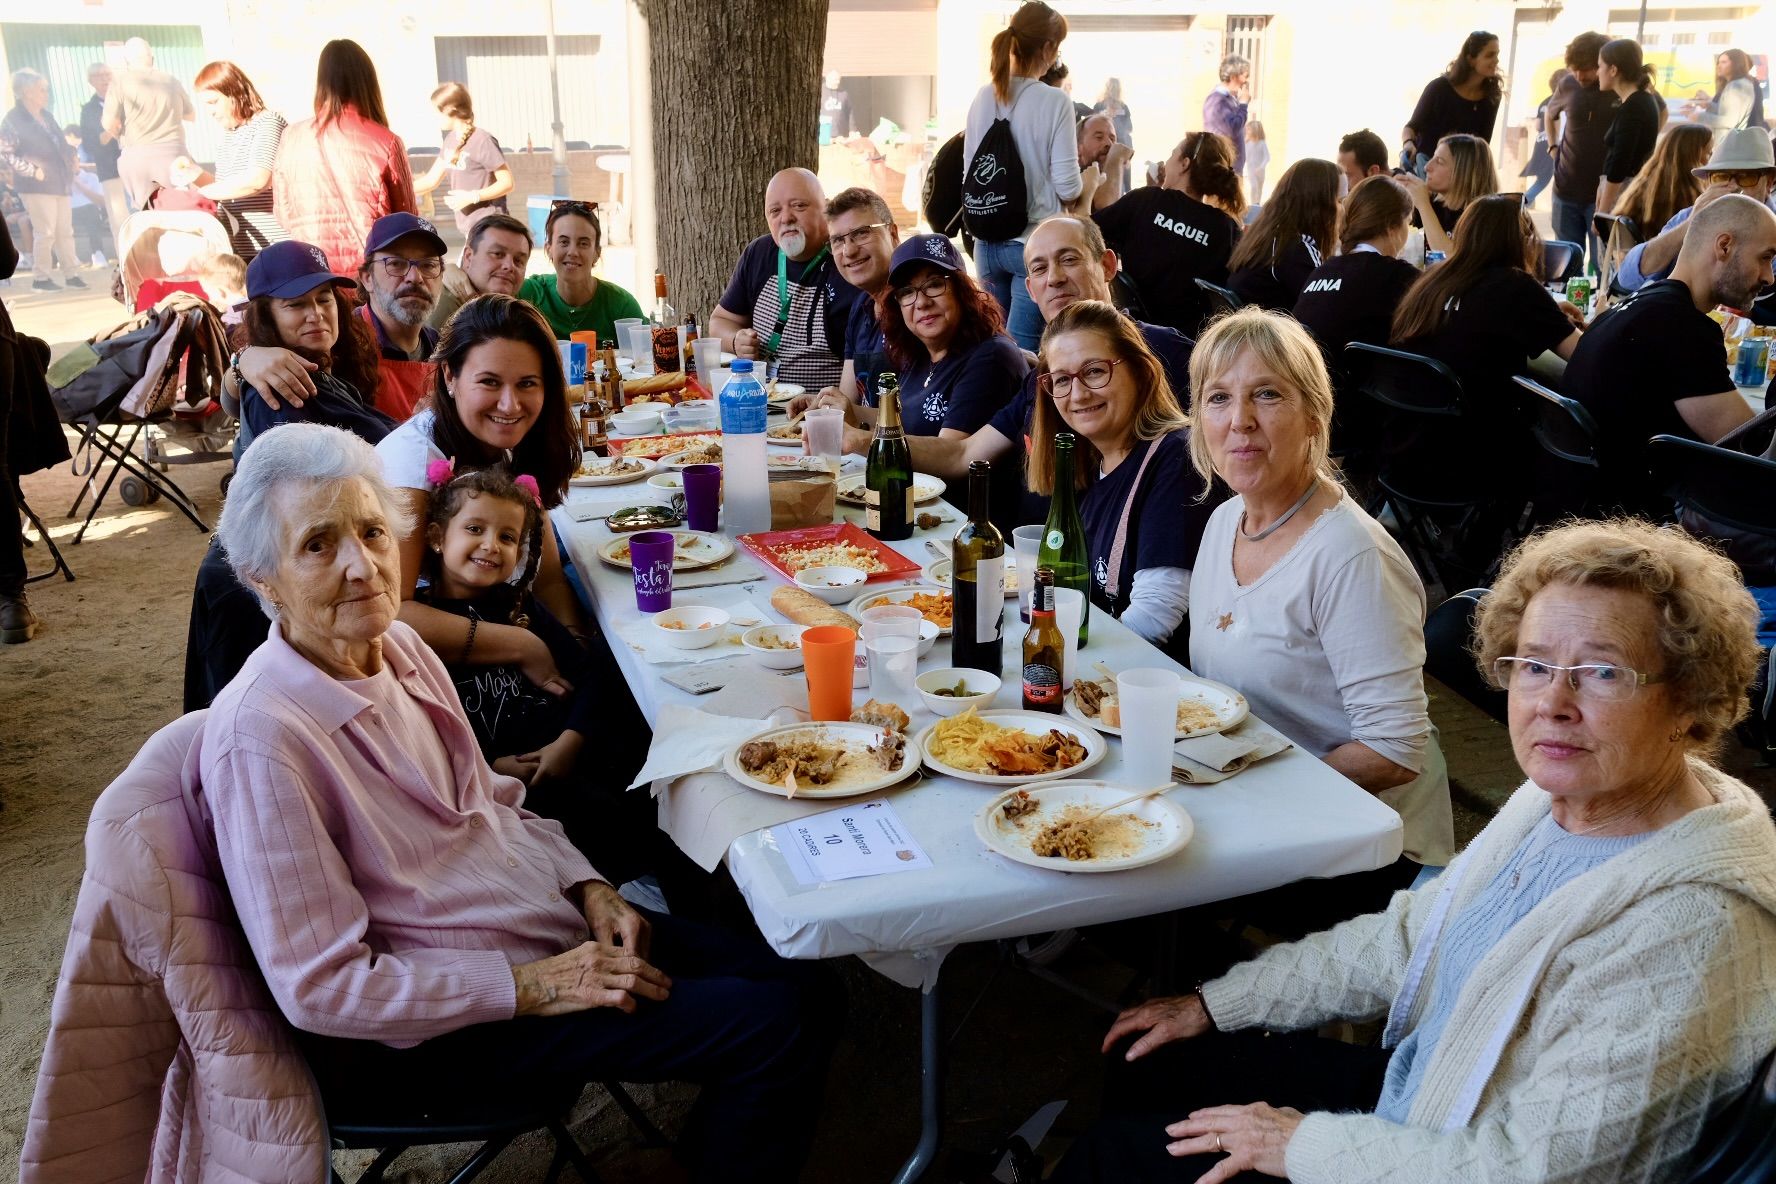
x=1167, y=241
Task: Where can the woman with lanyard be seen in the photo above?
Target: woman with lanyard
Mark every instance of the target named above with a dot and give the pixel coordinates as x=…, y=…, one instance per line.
x=1143, y=506
x=573, y=299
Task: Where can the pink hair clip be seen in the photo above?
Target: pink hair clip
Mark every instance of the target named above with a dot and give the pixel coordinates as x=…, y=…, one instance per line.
x=441, y=470
x=529, y=485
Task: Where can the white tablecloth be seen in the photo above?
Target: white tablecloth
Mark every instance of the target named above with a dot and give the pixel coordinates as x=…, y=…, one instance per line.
x=1289, y=817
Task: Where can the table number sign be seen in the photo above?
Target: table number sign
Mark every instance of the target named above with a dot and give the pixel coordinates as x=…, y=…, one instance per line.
x=865, y=839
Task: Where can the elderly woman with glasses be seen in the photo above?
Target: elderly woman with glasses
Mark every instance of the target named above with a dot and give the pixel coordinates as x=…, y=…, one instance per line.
x=1580, y=991
x=1142, y=506
x=946, y=339
x=414, y=922
x=574, y=300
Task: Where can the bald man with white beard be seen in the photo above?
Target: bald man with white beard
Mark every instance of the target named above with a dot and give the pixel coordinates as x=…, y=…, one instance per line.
x=786, y=301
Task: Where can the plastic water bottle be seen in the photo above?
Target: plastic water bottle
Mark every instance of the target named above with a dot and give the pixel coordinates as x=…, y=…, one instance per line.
x=746, y=489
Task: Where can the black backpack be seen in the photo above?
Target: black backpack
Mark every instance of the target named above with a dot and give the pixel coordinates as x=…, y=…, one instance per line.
x=941, y=198
x=993, y=193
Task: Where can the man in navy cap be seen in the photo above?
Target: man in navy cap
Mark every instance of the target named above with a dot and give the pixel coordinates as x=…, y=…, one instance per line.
x=402, y=273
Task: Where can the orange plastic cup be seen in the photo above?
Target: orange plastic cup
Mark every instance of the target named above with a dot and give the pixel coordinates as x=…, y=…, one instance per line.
x=589, y=336
x=827, y=654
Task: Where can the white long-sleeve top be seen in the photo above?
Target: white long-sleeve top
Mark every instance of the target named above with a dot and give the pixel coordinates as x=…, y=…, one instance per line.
x=1048, y=144
x=1328, y=647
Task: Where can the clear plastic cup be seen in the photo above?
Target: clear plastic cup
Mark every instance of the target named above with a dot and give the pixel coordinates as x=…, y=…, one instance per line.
x=1026, y=542
x=891, y=640
x=622, y=328
x=641, y=347
x=1069, y=611
x=706, y=353
x=1149, y=699
x=824, y=430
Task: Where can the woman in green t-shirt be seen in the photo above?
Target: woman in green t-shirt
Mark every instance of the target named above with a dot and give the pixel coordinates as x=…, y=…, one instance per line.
x=573, y=299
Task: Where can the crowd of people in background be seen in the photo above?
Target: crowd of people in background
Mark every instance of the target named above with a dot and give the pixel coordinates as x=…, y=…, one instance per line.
x=405, y=429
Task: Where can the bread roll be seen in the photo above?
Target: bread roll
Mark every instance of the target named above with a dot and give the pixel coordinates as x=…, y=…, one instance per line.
x=653, y=384
x=805, y=608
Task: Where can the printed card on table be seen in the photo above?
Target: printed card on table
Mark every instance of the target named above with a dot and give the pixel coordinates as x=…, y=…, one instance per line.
x=866, y=839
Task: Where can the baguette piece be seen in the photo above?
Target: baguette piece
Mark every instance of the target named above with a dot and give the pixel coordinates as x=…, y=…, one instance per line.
x=654, y=384
x=805, y=608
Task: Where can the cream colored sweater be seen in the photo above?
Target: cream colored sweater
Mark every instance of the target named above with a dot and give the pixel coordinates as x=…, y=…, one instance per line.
x=1590, y=1045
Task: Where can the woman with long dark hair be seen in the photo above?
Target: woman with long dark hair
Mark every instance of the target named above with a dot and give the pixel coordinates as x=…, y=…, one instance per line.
x=1043, y=132
x=1463, y=99
x=339, y=172
x=1292, y=236
x=245, y=157
x=1628, y=144
x=470, y=160
x=1668, y=183
x=946, y=340
x=1738, y=96
x=1352, y=296
x=1483, y=311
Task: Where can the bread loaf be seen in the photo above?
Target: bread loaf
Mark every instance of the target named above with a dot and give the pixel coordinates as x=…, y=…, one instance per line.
x=653, y=384
x=805, y=608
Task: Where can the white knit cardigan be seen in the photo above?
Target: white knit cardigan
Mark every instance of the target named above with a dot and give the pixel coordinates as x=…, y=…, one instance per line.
x=1590, y=1045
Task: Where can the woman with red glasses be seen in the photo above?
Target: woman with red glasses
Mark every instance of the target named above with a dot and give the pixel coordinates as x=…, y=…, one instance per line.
x=1141, y=502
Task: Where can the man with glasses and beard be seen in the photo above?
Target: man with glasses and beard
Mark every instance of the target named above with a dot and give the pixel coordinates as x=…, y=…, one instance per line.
x=787, y=302
x=402, y=274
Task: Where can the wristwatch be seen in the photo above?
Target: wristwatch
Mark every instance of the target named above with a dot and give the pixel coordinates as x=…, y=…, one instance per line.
x=240, y=384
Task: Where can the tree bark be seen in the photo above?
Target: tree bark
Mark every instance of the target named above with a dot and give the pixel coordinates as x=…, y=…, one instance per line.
x=736, y=95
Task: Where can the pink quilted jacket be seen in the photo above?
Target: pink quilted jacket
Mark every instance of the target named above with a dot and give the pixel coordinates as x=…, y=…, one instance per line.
x=167, y=1059
x=330, y=187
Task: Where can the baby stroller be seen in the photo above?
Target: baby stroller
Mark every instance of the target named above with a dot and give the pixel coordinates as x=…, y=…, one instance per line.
x=159, y=372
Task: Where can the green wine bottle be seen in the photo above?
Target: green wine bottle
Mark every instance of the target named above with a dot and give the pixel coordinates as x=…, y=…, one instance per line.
x=977, y=566
x=888, y=475
x=1063, y=540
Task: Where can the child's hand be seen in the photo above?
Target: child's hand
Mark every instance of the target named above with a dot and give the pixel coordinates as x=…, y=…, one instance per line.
x=521, y=767
x=553, y=761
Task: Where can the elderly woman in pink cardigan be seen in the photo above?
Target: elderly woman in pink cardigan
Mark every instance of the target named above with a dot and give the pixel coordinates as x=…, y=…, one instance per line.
x=414, y=922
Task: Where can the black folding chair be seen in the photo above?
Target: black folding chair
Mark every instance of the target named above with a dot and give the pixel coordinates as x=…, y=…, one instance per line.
x=1441, y=483
x=1719, y=484
x=59, y=564
x=1126, y=295
x=1558, y=258
x=492, y=1121
x=1739, y=1145
x=1449, y=630
x=1220, y=300
x=1567, y=470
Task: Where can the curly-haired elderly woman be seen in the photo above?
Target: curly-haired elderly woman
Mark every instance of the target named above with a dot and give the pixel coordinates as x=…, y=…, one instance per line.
x=1588, y=982
x=414, y=922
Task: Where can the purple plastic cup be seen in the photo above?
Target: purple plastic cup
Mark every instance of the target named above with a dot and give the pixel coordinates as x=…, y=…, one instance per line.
x=702, y=496
x=651, y=554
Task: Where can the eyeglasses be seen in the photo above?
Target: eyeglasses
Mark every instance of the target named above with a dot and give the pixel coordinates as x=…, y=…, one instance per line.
x=1093, y=376
x=396, y=268
x=931, y=289
x=1596, y=680
x=840, y=241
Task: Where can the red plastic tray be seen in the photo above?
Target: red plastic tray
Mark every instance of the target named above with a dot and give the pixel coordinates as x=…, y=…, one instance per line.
x=768, y=545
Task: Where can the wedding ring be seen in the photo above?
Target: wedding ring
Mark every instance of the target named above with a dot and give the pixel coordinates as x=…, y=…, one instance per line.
x=1219, y=1150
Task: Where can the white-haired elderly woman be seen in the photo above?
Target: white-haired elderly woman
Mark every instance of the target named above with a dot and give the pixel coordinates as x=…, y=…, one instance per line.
x=1580, y=991
x=1304, y=602
x=415, y=923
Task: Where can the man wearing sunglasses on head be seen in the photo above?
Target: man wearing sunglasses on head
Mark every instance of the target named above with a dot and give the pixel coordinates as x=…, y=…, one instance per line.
x=1742, y=163
x=402, y=274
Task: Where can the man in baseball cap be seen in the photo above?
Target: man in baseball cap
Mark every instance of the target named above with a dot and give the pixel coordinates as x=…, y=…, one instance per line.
x=1742, y=163
x=403, y=274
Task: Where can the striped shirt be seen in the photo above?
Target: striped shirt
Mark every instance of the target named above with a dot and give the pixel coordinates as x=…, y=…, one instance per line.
x=251, y=146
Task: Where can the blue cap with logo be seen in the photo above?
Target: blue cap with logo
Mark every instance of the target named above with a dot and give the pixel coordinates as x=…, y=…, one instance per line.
x=288, y=269
x=933, y=249
x=391, y=227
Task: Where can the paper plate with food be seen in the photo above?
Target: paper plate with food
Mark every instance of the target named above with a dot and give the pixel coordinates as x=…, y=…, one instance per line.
x=940, y=571
x=1008, y=747
x=708, y=453
x=926, y=488
x=611, y=470
x=1204, y=707
x=934, y=604
x=827, y=760
x=691, y=549
x=1051, y=826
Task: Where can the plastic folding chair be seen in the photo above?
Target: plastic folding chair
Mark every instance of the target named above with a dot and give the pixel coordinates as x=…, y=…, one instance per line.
x=1719, y=484
x=1221, y=300
x=1567, y=471
x=1448, y=631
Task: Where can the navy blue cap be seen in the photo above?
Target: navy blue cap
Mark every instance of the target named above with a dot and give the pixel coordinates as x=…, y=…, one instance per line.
x=289, y=269
x=934, y=249
x=391, y=227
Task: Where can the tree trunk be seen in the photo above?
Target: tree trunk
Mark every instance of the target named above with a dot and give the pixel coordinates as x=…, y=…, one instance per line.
x=736, y=95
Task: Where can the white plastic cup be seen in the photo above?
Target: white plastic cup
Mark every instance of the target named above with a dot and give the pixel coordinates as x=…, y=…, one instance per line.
x=706, y=354
x=892, y=642
x=1149, y=699
x=1069, y=612
x=1026, y=545
x=824, y=430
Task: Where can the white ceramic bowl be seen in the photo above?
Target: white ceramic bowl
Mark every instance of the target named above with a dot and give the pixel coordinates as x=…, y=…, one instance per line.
x=771, y=657
x=835, y=585
x=636, y=423
x=691, y=626
x=948, y=705
x=928, y=632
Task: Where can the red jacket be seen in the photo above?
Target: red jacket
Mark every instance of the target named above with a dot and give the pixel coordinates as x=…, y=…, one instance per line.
x=330, y=185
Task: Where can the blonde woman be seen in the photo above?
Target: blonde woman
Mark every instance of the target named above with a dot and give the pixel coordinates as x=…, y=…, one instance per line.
x=1141, y=503
x=1459, y=171
x=1303, y=602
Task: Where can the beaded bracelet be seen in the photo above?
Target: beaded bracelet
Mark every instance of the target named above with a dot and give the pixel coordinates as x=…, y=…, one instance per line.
x=474, y=623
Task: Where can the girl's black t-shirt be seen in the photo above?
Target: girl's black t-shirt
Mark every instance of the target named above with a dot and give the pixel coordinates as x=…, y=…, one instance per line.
x=1352, y=298
x=1632, y=134
x=1168, y=240
x=1277, y=285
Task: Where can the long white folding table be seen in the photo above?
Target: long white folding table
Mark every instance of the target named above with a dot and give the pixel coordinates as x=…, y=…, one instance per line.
x=1281, y=820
